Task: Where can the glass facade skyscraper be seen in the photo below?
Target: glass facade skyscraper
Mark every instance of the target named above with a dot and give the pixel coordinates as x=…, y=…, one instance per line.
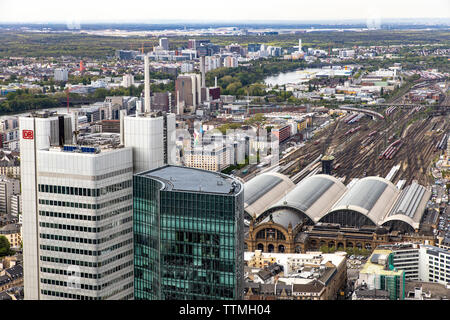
x=188, y=235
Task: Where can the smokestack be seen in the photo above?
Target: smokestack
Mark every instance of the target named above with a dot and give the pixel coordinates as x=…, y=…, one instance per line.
x=202, y=71
x=215, y=82
x=178, y=102
x=147, y=84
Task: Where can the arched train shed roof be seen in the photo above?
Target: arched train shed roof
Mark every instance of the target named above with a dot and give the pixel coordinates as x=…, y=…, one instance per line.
x=373, y=197
x=410, y=205
x=313, y=196
x=264, y=190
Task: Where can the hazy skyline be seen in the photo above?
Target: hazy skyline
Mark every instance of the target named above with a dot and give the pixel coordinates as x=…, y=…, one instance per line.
x=84, y=11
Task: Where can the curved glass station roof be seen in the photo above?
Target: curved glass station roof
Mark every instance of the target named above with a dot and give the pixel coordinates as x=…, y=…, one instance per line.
x=323, y=198
x=313, y=195
x=283, y=217
x=264, y=190
x=370, y=196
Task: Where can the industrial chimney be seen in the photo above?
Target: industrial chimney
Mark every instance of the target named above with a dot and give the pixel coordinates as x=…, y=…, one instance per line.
x=202, y=71
x=147, y=85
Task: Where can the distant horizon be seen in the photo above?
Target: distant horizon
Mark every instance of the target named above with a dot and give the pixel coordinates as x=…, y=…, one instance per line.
x=179, y=11
x=248, y=21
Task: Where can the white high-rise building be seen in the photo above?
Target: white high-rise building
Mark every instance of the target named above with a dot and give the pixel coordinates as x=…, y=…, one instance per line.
x=16, y=204
x=421, y=262
x=299, y=45
x=8, y=187
x=164, y=43
x=61, y=75
x=77, y=213
x=152, y=139
x=127, y=80
x=187, y=67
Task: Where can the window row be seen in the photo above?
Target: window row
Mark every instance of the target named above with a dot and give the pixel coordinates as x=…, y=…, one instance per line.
x=82, y=228
x=85, y=192
x=94, y=206
x=86, y=263
x=67, y=295
x=88, y=275
x=85, y=240
x=76, y=285
x=86, y=252
x=74, y=216
x=113, y=174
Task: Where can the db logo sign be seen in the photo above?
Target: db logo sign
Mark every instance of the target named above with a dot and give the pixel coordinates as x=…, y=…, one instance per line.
x=27, y=134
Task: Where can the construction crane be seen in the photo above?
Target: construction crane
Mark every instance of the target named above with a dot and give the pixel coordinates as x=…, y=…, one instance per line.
x=68, y=90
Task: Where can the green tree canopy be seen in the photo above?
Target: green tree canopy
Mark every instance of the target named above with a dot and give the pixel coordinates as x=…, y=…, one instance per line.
x=4, y=246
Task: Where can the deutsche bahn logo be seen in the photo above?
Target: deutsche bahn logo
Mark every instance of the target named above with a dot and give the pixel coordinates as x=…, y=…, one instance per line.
x=27, y=134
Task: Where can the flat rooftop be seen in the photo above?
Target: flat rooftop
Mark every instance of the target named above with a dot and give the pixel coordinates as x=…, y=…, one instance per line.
x=194, y=180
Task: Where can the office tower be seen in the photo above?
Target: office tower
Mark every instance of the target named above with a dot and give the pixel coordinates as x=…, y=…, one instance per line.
x=164, y=43
x=188, y=86
x=192, y=44
x=253, y=47
x=77, y=212
x=152, y=139
x=16, y=204
x=162, y=101
x=8, y=187
x=188, y=234
x=299, y=45
x=61, y=75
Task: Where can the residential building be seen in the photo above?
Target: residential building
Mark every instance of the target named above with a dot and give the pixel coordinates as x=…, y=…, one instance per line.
x=282, y=132
x=12, y=233
x=281, y=276
x=211, y=157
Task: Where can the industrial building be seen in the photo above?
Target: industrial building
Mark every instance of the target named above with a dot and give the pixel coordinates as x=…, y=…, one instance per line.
x=321, y=210
x=189, y=241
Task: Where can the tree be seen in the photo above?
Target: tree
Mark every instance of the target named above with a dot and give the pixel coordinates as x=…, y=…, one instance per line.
x=4, y=246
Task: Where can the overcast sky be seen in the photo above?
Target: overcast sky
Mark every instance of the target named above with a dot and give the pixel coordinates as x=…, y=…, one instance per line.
x=154, y=11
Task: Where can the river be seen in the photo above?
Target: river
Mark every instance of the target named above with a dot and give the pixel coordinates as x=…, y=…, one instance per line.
x=284, y=78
